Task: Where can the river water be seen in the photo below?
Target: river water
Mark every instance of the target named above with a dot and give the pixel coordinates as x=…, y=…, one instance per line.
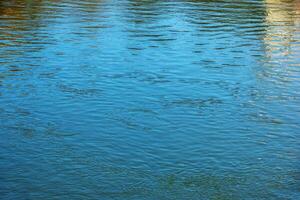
x=149, y=99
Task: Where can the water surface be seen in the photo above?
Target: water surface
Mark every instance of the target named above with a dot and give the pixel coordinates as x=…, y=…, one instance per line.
x=152, y=99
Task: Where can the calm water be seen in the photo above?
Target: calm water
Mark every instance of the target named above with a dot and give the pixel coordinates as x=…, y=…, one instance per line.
x=152, y=99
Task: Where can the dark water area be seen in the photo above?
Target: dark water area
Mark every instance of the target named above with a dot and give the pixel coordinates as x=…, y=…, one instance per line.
x=149, y=99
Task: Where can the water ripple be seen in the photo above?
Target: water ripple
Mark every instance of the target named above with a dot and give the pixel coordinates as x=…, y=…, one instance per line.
x=149, y=99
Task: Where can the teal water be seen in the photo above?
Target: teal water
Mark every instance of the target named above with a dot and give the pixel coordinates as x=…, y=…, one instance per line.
x=149, y=99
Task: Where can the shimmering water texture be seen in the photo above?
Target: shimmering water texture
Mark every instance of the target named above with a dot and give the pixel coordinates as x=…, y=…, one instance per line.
x=149, y=99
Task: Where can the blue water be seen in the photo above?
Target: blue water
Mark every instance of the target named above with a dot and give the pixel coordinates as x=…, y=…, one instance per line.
x=149, y=99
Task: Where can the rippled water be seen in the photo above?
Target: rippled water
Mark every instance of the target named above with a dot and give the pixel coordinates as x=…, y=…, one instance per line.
x=149, y=99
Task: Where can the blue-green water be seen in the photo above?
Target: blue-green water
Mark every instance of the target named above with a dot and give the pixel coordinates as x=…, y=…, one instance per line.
x=149, y=99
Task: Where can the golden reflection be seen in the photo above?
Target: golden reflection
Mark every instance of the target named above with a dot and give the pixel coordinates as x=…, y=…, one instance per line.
x=283, y=30
x=19, y=9
x=15, y=18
